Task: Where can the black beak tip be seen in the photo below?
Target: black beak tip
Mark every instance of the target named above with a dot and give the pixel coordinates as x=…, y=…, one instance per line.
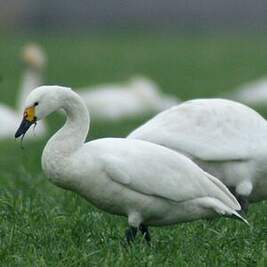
x=18, y=134
x=23, y=128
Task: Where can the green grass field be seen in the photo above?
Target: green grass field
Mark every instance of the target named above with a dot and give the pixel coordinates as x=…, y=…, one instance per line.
x=41, y=225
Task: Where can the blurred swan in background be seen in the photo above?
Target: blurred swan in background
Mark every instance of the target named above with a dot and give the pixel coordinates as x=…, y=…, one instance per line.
x=34, y=61
x=225, y=138
x=251, y=93
x=137, y=97
x=147, y=183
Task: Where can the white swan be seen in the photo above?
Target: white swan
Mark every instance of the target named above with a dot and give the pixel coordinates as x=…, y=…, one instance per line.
x=149, y=184
x=226, y=138
x=251, y=93
x=134, y=98
x=34, y=60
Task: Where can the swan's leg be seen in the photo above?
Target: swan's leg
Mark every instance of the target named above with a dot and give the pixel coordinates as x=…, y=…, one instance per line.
x=144, y=230
x=134, y=221
x=130, y=234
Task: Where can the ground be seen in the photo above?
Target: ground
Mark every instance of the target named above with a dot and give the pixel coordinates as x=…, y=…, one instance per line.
x=41, y=225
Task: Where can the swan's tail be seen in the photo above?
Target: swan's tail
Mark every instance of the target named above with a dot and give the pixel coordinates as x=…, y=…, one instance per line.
x=239, y=217
x=224, y=194
x=220, y=208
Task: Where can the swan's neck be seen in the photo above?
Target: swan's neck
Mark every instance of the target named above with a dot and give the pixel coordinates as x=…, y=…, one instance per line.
x=68, y=139
x=30, y=80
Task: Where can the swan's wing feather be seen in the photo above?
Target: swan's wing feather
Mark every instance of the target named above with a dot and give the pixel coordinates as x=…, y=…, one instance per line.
x=154, y=170
x=166, y=187
x=224, y=189
x=211, y=129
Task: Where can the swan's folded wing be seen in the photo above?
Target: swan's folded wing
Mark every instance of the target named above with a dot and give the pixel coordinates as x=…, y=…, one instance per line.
x=228, y=195
x=212, y=129
x=177, y=180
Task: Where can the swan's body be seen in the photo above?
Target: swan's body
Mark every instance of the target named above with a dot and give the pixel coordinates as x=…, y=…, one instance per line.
x=9, y=118
x=119, y=101
x=251, y=93
x=227, y=139
x=149, y=184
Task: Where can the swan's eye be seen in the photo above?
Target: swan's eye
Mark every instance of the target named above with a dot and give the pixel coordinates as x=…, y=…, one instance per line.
x=36, y=104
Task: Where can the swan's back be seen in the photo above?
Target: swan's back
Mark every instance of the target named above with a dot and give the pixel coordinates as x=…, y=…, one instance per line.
x=136, y=97
x=252, y=93
x=112, y=103
x=208, y=129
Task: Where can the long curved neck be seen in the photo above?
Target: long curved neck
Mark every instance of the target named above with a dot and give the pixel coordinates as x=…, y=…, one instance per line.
x=31, y=79
x=74, y=132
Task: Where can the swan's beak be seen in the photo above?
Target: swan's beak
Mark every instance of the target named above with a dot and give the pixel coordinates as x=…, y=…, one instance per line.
x=28, y=120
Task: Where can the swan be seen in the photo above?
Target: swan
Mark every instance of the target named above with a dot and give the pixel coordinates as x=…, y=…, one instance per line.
x=225, y=138
x=136, y=97
x=251, y=93
x=149, y=184
x=34, y=60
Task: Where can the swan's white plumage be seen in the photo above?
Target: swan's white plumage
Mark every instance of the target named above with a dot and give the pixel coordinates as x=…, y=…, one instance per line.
x=251, y=93
x=147, y=183
x=34, y=60
x=137, y=97
x=226, y=138
x=8, y=118
x=163, y=162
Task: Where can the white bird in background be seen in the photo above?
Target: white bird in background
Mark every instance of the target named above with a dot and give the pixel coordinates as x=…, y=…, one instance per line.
x=149, y=184
x=34, y=60
x=251, y=93
x=225, y=138
x=137, y=97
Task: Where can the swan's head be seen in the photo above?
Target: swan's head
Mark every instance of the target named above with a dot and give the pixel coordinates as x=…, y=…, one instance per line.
x=34, y=56
x=41, y=102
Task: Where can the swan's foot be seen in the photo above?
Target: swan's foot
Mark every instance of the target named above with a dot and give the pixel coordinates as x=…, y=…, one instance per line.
x=144, y=230
x=130, y=234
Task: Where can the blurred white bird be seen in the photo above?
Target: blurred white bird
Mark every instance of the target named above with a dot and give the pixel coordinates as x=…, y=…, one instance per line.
x=251, y=93
x=34, y=60
x=137, y=97
x=149, y=184
x=225, y=138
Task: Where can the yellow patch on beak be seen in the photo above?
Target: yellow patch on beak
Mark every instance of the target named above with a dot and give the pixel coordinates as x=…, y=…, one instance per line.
x=29, y=114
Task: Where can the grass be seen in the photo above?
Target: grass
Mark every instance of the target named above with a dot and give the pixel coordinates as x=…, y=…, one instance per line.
x=41, y=225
